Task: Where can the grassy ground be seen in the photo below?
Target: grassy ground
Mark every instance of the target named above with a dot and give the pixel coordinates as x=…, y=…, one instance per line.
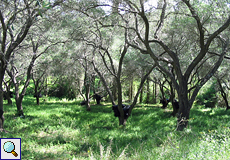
x=65, y=130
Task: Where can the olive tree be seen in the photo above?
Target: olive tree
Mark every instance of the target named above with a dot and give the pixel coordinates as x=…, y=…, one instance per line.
x=16, y=18
x=112, y=52
x=180, y=35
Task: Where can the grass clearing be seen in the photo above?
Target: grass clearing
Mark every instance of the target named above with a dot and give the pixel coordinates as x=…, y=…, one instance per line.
x=65, y=130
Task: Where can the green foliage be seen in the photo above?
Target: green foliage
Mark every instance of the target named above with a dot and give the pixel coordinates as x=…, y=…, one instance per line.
x=43, y=5
x=210, y=92
x=65, y=130
x=30, y=88
x=208, y=98
x=63, y=89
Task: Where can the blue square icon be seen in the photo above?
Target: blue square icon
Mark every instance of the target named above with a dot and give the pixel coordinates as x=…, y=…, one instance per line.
x=10, y=148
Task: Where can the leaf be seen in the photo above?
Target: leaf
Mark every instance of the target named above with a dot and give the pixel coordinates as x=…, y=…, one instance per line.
x=40, y=12
x=46, y=5
x=12, y=27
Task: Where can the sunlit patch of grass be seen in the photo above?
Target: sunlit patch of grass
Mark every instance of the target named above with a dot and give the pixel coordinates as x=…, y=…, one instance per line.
x=65, y=130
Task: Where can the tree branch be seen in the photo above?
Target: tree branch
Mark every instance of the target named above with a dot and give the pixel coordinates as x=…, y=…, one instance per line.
x=209, y=74
x=161, y=20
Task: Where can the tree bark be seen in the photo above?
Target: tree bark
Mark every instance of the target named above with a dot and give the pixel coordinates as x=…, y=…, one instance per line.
x=141, y=96
x=36, y=91
x=143, y=79
x=19, y=96
x=8, y=48
x=161, y=85
x=182, y=75
x=172, y=99
x=184, y=107
x=183, y=115
x=223, y=94
x=104, y=84
x=148, y=92
x=131, y=90
x=87, y=97
x=87, y=89
x=38, y=100
x=122, y=120
x=114, y=90
x=19, y=106
x=8, y=92
x=9, y=101
x=1, y=110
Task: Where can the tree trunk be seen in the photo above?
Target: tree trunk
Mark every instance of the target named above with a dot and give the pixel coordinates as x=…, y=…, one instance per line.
x=19, y=97
x=46, y=87
x=122, y=121
x=1, y=110
x=131, y=90
x=143, y=79
x=114, y=90
x=8, y=92
x=164, y=101
x=87, y=88
x=2, y=73
x=36, y=83
x=141, y=96
x=175, y=109
x=37, y=100
x=93, y=83
x=8, y=97
x=148, y=92
x=184, y=108
x=37, y=96
x=19, y=106
x=183, y=116
x=162, y=89
x=223, y=94
x=172, y=99
x=104, y=84
x=87, y=97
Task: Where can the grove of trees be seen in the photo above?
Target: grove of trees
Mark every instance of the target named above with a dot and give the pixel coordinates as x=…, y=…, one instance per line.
x=116, y=48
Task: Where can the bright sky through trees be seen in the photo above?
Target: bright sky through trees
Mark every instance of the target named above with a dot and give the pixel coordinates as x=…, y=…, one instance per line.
x=149, y=4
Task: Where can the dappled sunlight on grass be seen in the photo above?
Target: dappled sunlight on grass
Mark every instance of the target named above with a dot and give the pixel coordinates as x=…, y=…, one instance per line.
x=65, y=130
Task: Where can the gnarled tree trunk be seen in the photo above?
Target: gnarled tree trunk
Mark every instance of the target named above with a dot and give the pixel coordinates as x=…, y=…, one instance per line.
x=1, y=110
x=104, y=84
x=8, y=92
x=131, y=89
x=148, y=92
x=19, y=106
x=87, y=90
x=154, y=92
x=183, y=112
x=114, y=90
x=223, y=94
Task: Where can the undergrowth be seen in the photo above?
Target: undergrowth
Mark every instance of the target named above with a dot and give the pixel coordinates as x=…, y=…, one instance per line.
x=61, y=129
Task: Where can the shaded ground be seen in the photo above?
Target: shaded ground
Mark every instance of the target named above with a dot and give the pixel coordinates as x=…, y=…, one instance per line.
x=65, y=130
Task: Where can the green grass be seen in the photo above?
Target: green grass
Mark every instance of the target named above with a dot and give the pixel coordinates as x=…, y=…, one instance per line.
x=65, y=130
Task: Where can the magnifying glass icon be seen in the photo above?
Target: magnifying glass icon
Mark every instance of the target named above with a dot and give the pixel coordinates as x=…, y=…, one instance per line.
x=9, y=147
